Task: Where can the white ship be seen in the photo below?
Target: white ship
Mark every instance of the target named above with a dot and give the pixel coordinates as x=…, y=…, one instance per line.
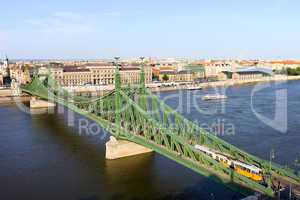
x=189, y=87
x=214, y=97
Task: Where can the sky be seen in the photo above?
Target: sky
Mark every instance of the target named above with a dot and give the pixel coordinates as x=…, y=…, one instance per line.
x=199, y=29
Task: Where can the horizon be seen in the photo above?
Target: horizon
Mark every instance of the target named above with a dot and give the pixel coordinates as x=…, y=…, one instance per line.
x=89, y=30
x=137, y=58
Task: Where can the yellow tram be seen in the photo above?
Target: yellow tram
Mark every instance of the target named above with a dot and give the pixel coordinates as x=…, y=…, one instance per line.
x=247, y=170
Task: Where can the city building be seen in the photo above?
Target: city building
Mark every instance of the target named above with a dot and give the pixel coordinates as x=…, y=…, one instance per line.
x=155, y=72
x=102, y=73
x=213, y=68
x=167, y=74
x=188, y=73
x=43, y=71
x=1, y=72
x=4, y=65
x=97, y=74
x=130, y=74
x=284, y=64
x=1, y=79
x=250, y=73
x=20, y=74
x=58, y=73
x=148, y=73
x=5, y=71
x=198, y=71
x=76, y=76
x=184, y=76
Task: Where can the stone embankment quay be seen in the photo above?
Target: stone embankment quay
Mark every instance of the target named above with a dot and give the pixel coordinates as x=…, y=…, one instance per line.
x=6, y=94
x=228, y=83
x=7, y=97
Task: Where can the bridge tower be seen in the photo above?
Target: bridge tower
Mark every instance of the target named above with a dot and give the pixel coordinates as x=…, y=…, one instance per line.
x=117, y=148
x=142, y=92
x=118, y=95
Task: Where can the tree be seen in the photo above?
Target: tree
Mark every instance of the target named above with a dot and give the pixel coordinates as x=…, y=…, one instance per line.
x=293, y=72
x=155, y=77
x=165, y=77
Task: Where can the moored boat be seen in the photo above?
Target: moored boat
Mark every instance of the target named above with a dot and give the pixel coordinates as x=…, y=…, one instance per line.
x=214, y=97
x=193, y=88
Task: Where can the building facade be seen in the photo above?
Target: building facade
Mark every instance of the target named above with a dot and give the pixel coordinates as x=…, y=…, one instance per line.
x=20, y=74
x=213, y=68
x=102, y=74
x=98, y=74
x=251, y=73
x=58, y=73
x=188, y=73
x=130, y=74
x=1, y=79
x=76, y=77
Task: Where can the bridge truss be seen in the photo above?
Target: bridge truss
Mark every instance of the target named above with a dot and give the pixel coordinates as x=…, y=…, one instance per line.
x=137, y=115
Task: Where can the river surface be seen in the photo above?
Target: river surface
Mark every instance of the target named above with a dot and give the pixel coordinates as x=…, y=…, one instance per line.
x=48, y=157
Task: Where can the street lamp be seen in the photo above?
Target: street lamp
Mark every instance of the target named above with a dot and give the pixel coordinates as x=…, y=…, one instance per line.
x=142, y=58
x=272, y=156
x=116, y=60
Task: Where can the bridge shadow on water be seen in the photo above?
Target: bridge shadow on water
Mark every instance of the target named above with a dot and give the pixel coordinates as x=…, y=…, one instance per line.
x=131, y=178
x=205, y=190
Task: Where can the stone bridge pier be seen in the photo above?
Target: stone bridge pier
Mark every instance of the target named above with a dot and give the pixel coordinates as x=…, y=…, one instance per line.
x=38, y=103
x=116, y=149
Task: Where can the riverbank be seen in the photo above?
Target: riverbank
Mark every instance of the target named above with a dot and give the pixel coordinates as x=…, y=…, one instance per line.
x=227, y=83
x=11, y=99
x=6, y=97
x=6, y=94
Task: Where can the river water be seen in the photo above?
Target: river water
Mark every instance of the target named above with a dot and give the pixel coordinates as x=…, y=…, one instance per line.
x=47, y=157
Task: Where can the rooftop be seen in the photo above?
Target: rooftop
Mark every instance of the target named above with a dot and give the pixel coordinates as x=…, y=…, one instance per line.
x=255, y=69
x=73, y=69
x=252, y=70
x=99, y=64
x=129, y=68
x=194, y=68
x=286, y=62
x=185, y=72
x=168, y=72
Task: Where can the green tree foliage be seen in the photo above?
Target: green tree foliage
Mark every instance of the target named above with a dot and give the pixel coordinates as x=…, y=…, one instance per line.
x=165, y=77
x=155, y=77
x=293, y=72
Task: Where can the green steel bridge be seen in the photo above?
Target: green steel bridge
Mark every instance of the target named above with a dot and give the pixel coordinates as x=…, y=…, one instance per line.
x=135, y=114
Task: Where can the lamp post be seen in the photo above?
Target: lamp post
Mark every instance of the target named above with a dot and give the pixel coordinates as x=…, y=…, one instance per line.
x=142, y=58
x=272, y=156
x=116, y=61
x=290, y=191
